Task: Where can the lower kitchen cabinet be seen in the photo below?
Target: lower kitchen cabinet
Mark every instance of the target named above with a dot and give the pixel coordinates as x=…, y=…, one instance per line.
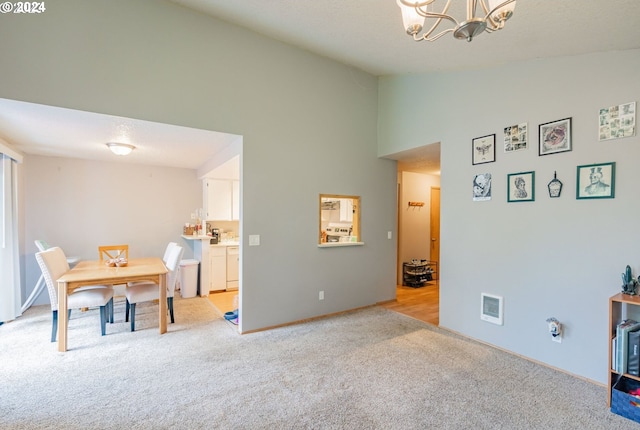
x=218, y=268
x=233, y=261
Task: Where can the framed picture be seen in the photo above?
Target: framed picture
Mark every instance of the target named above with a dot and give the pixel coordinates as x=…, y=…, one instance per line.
x=521, y=187
x=515, y=137
x=596, y=181
x=617, y=121
x=554, y=137
x=482, y=187
x=483, y=149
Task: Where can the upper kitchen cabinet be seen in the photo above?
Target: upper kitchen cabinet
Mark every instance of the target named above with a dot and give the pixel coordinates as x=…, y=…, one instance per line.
x=223, y=199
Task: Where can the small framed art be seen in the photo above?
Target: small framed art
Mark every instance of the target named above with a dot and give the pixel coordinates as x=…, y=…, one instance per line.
x=482, y=187
x=521, y=187
x=617, y=121
x=483, y=149
x=515, y=137
x=596, y=181
x=554, y=137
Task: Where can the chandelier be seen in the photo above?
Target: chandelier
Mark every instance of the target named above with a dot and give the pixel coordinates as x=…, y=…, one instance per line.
x=495, y=14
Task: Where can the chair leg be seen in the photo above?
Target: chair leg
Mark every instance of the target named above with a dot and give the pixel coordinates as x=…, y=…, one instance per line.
x=170, y=306
x=54, y=327
x=133, y=316
x=103, y=319
x=110, y=307
x=126, y=310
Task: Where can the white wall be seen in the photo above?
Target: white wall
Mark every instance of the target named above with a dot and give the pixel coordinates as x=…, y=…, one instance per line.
x=549, y=258
x=160, y=62
x=80, y=205
x=414, y=222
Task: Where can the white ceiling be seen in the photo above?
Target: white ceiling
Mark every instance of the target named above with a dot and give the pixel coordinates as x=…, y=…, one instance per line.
x=366, y=34
x=369, y=34
x=58, y=132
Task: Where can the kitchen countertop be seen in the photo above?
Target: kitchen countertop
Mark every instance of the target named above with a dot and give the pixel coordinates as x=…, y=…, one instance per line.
x=203, y=237
x=227, y=243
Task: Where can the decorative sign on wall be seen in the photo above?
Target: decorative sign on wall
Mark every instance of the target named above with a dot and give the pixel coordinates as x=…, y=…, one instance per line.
x=617, y=121
x=555, y=186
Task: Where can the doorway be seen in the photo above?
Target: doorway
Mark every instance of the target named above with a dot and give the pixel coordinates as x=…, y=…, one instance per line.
x=418, y=230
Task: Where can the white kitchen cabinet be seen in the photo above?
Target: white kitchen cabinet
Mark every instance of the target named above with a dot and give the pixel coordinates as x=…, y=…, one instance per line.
x=233, y=262
x=235, y=200
x=218, y=268
x=223, y=200
x=346, y=210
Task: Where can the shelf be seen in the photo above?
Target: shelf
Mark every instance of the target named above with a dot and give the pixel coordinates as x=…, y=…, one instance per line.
x=417, y=274
x=621, y=306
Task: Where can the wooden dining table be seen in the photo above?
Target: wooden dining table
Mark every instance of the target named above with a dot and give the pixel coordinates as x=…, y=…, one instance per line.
x=98, y=273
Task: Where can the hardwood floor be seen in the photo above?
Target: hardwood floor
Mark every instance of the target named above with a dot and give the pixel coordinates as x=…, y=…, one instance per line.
x=420, y=303
x=223, y=300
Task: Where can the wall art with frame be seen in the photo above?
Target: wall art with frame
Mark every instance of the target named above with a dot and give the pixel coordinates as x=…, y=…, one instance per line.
x=521, y=187
x=483, y=149
x=482, y=187
x=515, y=137
x=596, y=181
x=618, y=121
x=554, y=137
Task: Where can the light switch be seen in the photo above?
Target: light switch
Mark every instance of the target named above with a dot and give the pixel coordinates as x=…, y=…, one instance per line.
x=254, y=239
x=388, y=235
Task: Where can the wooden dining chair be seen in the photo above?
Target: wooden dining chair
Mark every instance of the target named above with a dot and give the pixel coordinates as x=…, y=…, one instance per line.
x=53, y=264
x=112, y=252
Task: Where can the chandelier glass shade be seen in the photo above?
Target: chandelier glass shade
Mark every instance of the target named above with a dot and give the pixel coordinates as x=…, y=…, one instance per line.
x=120, y=148
x=493, y=15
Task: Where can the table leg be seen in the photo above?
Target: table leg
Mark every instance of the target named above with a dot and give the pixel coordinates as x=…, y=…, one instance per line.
x=163, y=303
x=62, y=316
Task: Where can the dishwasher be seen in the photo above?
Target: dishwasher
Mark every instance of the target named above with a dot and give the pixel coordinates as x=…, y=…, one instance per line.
x=233, y=260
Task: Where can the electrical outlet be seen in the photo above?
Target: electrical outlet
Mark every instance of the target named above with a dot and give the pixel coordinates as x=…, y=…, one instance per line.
x=193, y=216
x=321, y=295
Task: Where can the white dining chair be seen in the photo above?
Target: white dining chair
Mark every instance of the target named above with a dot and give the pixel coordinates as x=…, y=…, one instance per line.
x=165, y=258
x=149, y=291
x=53, y=264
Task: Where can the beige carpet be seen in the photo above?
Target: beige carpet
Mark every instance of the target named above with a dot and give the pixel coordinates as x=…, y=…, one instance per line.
x=369, y=369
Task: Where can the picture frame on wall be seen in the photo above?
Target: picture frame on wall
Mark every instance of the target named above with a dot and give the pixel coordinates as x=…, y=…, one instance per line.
x=596, y=181
x=521, y=187
x=554, y=137
x=483, y=149
x=482, y=187
x=516, y=137
x=617, y=121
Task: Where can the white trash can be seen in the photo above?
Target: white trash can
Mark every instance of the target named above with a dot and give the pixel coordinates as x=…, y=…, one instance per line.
x=188, y=278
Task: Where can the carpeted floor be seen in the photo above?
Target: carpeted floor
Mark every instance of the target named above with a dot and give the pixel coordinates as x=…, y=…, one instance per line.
x=368, y=369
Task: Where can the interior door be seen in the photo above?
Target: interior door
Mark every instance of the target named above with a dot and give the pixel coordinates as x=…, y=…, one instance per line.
x=434, y=219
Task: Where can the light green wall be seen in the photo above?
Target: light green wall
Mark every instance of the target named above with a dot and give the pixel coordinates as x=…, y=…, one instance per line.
x=308, y=127
x=549, y=258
